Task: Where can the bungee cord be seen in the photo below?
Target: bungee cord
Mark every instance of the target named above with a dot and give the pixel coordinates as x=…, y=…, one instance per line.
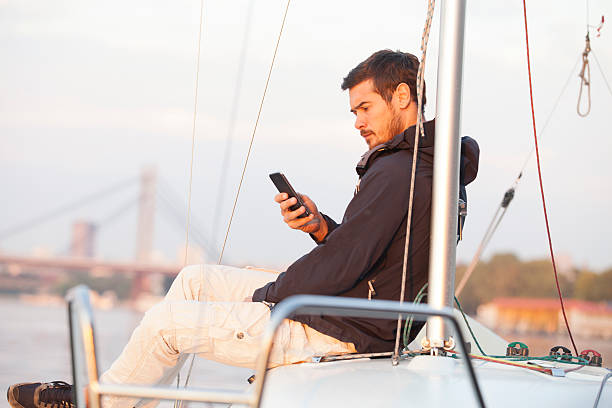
x=419, y=130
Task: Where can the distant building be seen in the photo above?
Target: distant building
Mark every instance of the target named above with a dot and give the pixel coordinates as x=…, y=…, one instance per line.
x=83, y=239
x=528, y=315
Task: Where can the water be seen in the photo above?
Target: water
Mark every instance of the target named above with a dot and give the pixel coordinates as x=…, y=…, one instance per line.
x=35, y=346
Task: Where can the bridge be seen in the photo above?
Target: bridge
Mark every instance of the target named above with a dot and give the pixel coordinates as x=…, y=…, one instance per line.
x=81, y=258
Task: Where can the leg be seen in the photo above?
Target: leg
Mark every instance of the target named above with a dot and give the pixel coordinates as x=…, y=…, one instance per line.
x=227, y=332
x=217, y=283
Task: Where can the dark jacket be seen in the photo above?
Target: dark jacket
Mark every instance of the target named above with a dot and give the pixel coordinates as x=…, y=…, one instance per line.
x=368, y=246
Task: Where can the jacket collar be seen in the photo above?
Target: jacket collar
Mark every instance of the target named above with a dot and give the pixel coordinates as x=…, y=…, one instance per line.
x=401, y=141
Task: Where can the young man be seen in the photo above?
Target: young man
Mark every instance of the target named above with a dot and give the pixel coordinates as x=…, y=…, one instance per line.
x=219, y=312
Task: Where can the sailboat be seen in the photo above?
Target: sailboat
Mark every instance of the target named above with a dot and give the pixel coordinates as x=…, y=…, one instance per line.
x=438, y=368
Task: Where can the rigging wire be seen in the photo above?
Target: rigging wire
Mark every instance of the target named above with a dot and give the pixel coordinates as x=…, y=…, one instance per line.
x=193, y=132
x=602, y=73
x=552, y=254
x=509, y=194
x=232, y=121
x=418, y=131
x=246, y=161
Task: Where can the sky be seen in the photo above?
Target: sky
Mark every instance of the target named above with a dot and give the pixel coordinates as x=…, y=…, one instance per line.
x=93, y=92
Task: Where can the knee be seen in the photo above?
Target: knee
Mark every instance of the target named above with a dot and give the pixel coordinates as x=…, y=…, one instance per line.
x=189, y=283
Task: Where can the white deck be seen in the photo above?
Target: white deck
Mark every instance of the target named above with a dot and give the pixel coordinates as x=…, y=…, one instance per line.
x=426, y=381
x=430, y=382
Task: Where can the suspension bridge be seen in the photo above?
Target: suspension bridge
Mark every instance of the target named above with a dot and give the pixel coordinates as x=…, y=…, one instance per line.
x=149, y=194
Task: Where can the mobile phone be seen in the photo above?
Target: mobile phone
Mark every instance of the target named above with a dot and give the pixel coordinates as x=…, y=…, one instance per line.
x=283, y=186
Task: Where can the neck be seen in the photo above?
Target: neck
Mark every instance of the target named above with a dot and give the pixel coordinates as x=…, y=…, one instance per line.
x=410, y=118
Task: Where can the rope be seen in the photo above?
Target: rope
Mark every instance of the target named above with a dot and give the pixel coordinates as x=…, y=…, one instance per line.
x=552, y=254
x=419, y=129
x=263, y=97
x=469, y=327
x=585, y=78
x=509, y=194
x=408, y=325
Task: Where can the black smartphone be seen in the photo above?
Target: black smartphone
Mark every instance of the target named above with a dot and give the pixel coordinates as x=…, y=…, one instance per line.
x=283, y=186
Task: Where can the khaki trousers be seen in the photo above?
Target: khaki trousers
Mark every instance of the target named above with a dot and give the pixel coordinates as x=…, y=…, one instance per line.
x=204, y=313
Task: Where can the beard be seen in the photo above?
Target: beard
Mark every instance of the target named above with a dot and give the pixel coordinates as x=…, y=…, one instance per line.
x=395, y=126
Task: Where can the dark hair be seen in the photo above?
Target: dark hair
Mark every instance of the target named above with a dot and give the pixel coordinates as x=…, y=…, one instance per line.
x=387, y=69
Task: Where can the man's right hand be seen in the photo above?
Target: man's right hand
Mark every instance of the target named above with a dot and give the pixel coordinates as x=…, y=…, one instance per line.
x=313, y=224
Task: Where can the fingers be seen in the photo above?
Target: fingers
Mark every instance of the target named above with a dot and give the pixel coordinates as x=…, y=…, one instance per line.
x=289, y=215
x=284, y=205
x=298, y=223
x=280, y=197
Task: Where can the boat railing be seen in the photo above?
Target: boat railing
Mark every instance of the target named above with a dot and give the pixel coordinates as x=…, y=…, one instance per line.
x=84, y=358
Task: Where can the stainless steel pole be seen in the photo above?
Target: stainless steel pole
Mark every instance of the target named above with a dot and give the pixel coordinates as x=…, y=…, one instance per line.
x=445, y=192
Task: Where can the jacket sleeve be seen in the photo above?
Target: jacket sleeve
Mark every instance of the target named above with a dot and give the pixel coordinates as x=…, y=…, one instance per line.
x=331, y=225
x=351, y=250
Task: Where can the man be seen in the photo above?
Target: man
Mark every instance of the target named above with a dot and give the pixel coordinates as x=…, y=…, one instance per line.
x=219, y=312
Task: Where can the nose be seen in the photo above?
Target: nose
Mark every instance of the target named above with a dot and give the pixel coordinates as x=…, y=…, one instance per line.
x=359, y=122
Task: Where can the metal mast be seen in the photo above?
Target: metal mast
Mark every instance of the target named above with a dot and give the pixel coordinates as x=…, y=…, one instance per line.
x=445, y=192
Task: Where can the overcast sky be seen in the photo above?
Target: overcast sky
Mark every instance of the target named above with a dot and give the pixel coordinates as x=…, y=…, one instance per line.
x=94, y=91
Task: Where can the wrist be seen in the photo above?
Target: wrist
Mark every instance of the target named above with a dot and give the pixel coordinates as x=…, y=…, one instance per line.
x=321, y=233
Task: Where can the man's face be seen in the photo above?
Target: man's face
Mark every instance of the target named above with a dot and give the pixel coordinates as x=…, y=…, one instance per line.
x=376, y=120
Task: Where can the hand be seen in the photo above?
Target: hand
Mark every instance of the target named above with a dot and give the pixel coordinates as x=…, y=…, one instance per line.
x=313, y=224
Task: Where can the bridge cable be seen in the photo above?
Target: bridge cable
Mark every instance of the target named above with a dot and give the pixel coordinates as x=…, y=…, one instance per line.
x=552, y=254
x=419, y=130
x=64, y=209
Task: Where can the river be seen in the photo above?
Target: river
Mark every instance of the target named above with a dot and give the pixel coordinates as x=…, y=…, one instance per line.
x=35, y=346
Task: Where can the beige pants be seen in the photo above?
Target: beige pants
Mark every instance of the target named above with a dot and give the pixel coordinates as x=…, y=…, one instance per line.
x=204, y=313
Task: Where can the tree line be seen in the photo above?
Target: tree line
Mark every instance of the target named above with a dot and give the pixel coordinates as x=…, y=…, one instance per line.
x=505, y=275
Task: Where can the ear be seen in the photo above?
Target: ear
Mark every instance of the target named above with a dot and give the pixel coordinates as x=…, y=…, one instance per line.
x=402, y=93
